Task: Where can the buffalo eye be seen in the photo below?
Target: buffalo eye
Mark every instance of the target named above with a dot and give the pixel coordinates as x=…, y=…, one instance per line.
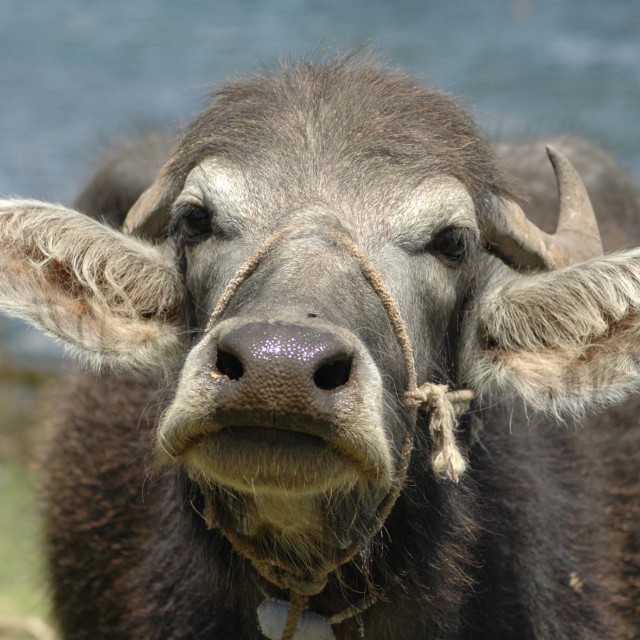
x=194, y=223
x=449, y=245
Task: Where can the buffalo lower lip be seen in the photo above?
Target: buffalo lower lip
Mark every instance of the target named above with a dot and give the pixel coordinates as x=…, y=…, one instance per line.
x=271, y=459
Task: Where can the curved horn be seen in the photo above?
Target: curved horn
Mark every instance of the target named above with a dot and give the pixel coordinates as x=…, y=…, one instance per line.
x=522, y=245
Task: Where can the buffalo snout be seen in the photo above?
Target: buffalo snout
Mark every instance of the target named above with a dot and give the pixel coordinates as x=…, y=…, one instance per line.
x=276, y=403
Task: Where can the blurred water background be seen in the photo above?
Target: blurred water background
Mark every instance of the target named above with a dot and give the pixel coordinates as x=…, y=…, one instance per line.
x=75, y=74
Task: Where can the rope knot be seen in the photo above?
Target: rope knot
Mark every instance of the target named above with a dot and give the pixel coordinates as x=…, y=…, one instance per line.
x=444, y=407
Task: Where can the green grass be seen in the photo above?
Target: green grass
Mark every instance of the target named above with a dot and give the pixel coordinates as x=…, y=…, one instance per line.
x=23, y=600
x=22, y=592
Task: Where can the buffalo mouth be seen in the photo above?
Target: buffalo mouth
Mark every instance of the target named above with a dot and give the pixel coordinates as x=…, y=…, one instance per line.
x=301, y=456
x=247, y=435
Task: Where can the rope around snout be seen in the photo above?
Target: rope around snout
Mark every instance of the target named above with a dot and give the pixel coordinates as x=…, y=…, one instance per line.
x=444, y=407
x=447, y=461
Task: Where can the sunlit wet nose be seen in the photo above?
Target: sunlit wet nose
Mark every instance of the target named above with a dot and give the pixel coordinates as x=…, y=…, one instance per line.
x=279, y=357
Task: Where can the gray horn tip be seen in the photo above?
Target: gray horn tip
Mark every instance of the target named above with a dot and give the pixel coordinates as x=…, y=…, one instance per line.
x=576, y=215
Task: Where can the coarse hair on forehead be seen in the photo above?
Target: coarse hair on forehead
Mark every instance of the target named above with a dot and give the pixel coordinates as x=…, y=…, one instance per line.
x=339, y=112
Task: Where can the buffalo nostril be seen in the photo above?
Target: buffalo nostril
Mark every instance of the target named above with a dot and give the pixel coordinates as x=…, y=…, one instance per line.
x=332, y=375
x=229, y=365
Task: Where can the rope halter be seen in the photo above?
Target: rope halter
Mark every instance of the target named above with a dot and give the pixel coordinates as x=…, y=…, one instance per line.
x=446, y=459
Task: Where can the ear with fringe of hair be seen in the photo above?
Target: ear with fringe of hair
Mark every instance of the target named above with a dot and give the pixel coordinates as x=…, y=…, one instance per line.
x=111, y=298
x=564, y=341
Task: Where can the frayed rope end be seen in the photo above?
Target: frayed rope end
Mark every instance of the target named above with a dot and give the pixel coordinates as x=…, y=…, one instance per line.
x=447, y=461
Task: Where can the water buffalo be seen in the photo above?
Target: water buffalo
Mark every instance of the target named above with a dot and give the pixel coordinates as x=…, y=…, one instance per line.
x=342, y=384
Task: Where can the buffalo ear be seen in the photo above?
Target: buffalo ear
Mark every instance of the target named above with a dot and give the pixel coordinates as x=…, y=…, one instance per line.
x=113, y=299
x=150, y=214
x=564, y=340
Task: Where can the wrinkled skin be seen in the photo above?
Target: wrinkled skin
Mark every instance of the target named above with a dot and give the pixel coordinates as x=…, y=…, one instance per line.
x=521, y=547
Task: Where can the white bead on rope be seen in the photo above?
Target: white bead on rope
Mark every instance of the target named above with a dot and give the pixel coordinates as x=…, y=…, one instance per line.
x=272, y=618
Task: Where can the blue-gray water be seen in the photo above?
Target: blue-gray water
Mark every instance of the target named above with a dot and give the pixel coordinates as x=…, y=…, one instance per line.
x=74, y=74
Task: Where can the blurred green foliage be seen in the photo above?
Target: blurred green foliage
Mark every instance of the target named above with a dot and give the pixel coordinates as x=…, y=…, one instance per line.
x=23, y=598
x=21, y=581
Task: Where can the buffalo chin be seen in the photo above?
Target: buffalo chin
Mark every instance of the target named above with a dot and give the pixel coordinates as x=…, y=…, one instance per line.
x=285, y=495
x=297, y=531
